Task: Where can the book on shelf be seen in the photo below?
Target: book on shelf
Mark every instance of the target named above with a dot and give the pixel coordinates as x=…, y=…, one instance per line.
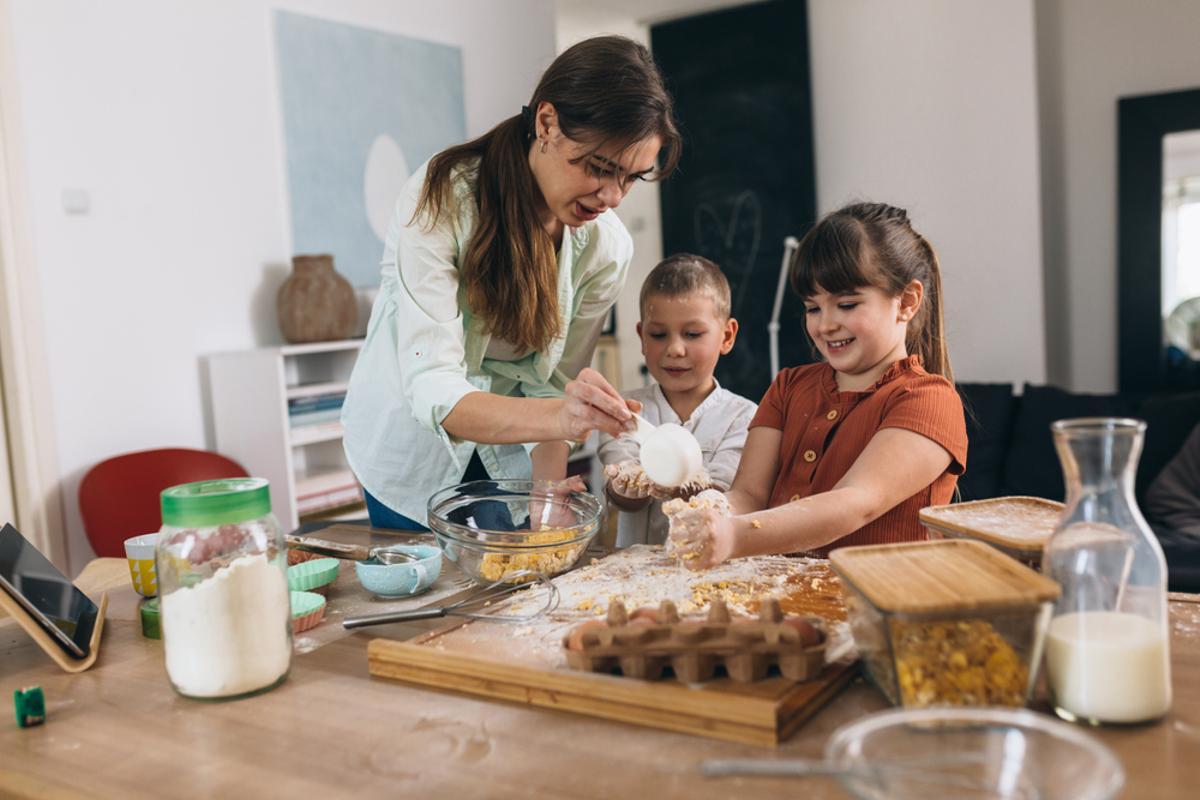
x=325, y=482
x=314, y=417
x=319, y=432
x=332, y=499
x=300, y=405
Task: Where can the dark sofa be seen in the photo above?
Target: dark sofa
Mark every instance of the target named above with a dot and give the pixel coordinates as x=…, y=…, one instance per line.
x=1012, y=452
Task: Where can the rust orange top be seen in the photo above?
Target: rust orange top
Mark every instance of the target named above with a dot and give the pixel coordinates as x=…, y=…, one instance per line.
x=825, y=430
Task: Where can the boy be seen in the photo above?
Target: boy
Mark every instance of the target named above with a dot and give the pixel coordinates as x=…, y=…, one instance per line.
x=685, y=328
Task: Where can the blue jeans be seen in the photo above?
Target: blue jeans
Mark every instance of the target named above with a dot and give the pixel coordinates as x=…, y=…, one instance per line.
x=384, y=517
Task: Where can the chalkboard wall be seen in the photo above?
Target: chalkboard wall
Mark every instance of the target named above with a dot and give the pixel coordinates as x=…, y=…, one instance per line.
x=740, y=79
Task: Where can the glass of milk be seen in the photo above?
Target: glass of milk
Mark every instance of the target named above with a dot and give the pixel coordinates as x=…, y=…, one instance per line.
x=1107, y=658
x=224, y=601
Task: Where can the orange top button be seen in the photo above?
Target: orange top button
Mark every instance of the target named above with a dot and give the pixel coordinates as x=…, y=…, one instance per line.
x=832, y=415
x=810, y=456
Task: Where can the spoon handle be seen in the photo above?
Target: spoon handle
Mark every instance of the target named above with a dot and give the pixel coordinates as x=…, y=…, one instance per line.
x=644, y=429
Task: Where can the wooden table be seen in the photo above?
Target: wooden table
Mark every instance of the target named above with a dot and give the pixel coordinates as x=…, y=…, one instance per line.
x=118, y=730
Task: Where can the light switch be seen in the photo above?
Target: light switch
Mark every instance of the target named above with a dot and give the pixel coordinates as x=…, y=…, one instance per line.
x=76, y=201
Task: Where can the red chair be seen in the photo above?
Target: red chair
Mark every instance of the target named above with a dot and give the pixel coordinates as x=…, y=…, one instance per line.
x=119, y=498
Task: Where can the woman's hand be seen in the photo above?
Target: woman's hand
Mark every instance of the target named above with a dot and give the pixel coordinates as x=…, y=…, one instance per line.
x=591, y=403
x=703, y=534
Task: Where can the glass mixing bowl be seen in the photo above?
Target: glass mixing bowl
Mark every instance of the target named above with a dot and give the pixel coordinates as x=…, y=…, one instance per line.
x=978, y=753
x=495, y=529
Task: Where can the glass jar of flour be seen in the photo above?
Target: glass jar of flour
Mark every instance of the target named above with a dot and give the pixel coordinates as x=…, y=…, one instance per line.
x=222, y=583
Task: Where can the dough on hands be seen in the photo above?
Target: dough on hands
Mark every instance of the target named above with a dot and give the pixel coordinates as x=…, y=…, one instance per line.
x=689, y=520
x=629, y=479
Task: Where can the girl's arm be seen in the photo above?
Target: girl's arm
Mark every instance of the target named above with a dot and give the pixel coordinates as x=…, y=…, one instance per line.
x=895, y=465
x=756, y=474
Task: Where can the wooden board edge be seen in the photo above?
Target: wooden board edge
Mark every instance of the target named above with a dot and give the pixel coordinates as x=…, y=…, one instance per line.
x=744, y=709
x=570, y=702
x=790, y=719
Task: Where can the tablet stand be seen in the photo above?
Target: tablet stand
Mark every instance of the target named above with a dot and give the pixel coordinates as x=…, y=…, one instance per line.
x=47, y=643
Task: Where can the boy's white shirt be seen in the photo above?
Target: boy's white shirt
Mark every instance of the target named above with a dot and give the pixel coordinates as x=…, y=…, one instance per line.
x=720, y=424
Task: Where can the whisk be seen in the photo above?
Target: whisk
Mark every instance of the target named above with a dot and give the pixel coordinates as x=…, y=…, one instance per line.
x=472, y=605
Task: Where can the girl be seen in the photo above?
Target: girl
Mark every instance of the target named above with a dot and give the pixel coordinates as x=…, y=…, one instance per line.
x=846, y=451
x=500, y=265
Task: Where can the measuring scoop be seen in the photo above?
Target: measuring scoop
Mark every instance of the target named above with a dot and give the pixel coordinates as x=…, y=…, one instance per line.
x=670, y=454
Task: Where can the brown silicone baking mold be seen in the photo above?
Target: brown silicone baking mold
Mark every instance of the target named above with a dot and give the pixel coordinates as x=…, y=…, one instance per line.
x=746, y=647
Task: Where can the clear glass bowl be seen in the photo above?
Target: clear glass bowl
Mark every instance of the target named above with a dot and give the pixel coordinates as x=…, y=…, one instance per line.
x=494, y=529
x=977, y=753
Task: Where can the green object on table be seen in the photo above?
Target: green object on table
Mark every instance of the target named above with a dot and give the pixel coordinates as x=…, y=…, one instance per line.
x=151, y=621
x=309, y=575
x=305, y=603
x=30, y=704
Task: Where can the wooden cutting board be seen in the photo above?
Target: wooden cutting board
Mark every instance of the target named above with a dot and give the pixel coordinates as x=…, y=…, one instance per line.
x=525, y=664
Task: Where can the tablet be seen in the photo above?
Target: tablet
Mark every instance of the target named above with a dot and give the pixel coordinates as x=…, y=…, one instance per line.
x=49, y=596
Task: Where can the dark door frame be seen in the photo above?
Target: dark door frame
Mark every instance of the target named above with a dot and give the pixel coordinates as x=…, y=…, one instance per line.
x=1142, y=123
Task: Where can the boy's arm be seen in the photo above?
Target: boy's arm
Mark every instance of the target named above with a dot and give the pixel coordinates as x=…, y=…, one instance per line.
x=550, y=460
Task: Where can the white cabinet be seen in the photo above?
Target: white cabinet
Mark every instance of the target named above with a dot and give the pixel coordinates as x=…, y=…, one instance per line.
x=250, y=392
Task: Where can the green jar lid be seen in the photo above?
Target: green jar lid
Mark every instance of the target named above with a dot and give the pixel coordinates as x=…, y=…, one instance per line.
x=221, y=502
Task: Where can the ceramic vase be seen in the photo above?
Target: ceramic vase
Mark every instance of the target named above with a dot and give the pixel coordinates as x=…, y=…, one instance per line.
x=315, y=303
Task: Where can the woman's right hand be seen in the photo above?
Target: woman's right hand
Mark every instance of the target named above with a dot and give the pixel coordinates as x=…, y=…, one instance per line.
x=591, y=403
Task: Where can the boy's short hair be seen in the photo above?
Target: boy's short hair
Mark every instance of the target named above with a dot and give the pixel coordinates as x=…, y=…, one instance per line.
x=684, y=273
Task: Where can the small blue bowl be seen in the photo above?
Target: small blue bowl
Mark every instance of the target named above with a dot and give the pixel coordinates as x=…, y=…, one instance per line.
x=401, y=580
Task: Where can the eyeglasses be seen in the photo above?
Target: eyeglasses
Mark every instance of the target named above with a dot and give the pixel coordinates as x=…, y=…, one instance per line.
x=597, y=166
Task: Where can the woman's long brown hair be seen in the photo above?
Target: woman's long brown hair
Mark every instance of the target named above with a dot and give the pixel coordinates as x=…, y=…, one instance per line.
x=605, y=89
x=874, y=244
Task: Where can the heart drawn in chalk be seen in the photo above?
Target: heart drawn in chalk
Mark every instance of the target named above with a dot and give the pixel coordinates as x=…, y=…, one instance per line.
x=733, y=245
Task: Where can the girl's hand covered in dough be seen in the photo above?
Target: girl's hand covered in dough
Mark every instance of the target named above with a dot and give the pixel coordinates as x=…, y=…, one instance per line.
x=702, y=533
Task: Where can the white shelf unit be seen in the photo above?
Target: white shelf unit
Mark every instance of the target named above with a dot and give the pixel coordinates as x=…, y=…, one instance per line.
x=250, y=391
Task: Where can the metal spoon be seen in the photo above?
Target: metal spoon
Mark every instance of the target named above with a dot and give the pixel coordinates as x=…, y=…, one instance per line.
x=385, y=556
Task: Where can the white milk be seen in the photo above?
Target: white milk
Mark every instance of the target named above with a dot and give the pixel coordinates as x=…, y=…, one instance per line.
x=229, y=634
x=1109, y=666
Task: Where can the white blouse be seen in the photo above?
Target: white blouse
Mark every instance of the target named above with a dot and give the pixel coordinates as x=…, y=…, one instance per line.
x=425, y=350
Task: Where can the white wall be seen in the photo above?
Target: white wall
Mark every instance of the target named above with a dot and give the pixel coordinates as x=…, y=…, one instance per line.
x=931, y=105
x=927, y=104
x=166, y=113
x=1090, y=53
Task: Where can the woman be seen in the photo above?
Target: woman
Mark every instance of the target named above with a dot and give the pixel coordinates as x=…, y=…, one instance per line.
x=500, y=265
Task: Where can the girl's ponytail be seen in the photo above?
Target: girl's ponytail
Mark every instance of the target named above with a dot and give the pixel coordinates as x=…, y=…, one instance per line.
x=929, y=339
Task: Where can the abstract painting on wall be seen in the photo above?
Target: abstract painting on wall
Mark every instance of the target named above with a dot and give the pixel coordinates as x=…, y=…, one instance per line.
x=361, y=110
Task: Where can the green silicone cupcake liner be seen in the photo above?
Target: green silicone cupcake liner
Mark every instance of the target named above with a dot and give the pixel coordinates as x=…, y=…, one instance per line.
x=304, y=603
x=309, y=575
x=308, y=609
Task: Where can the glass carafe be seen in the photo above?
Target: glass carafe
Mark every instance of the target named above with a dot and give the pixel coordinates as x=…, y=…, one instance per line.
x=1107, y=655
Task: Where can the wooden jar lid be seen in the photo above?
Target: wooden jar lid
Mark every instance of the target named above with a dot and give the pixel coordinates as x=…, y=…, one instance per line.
x=1017, y=523
x=938, y=577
